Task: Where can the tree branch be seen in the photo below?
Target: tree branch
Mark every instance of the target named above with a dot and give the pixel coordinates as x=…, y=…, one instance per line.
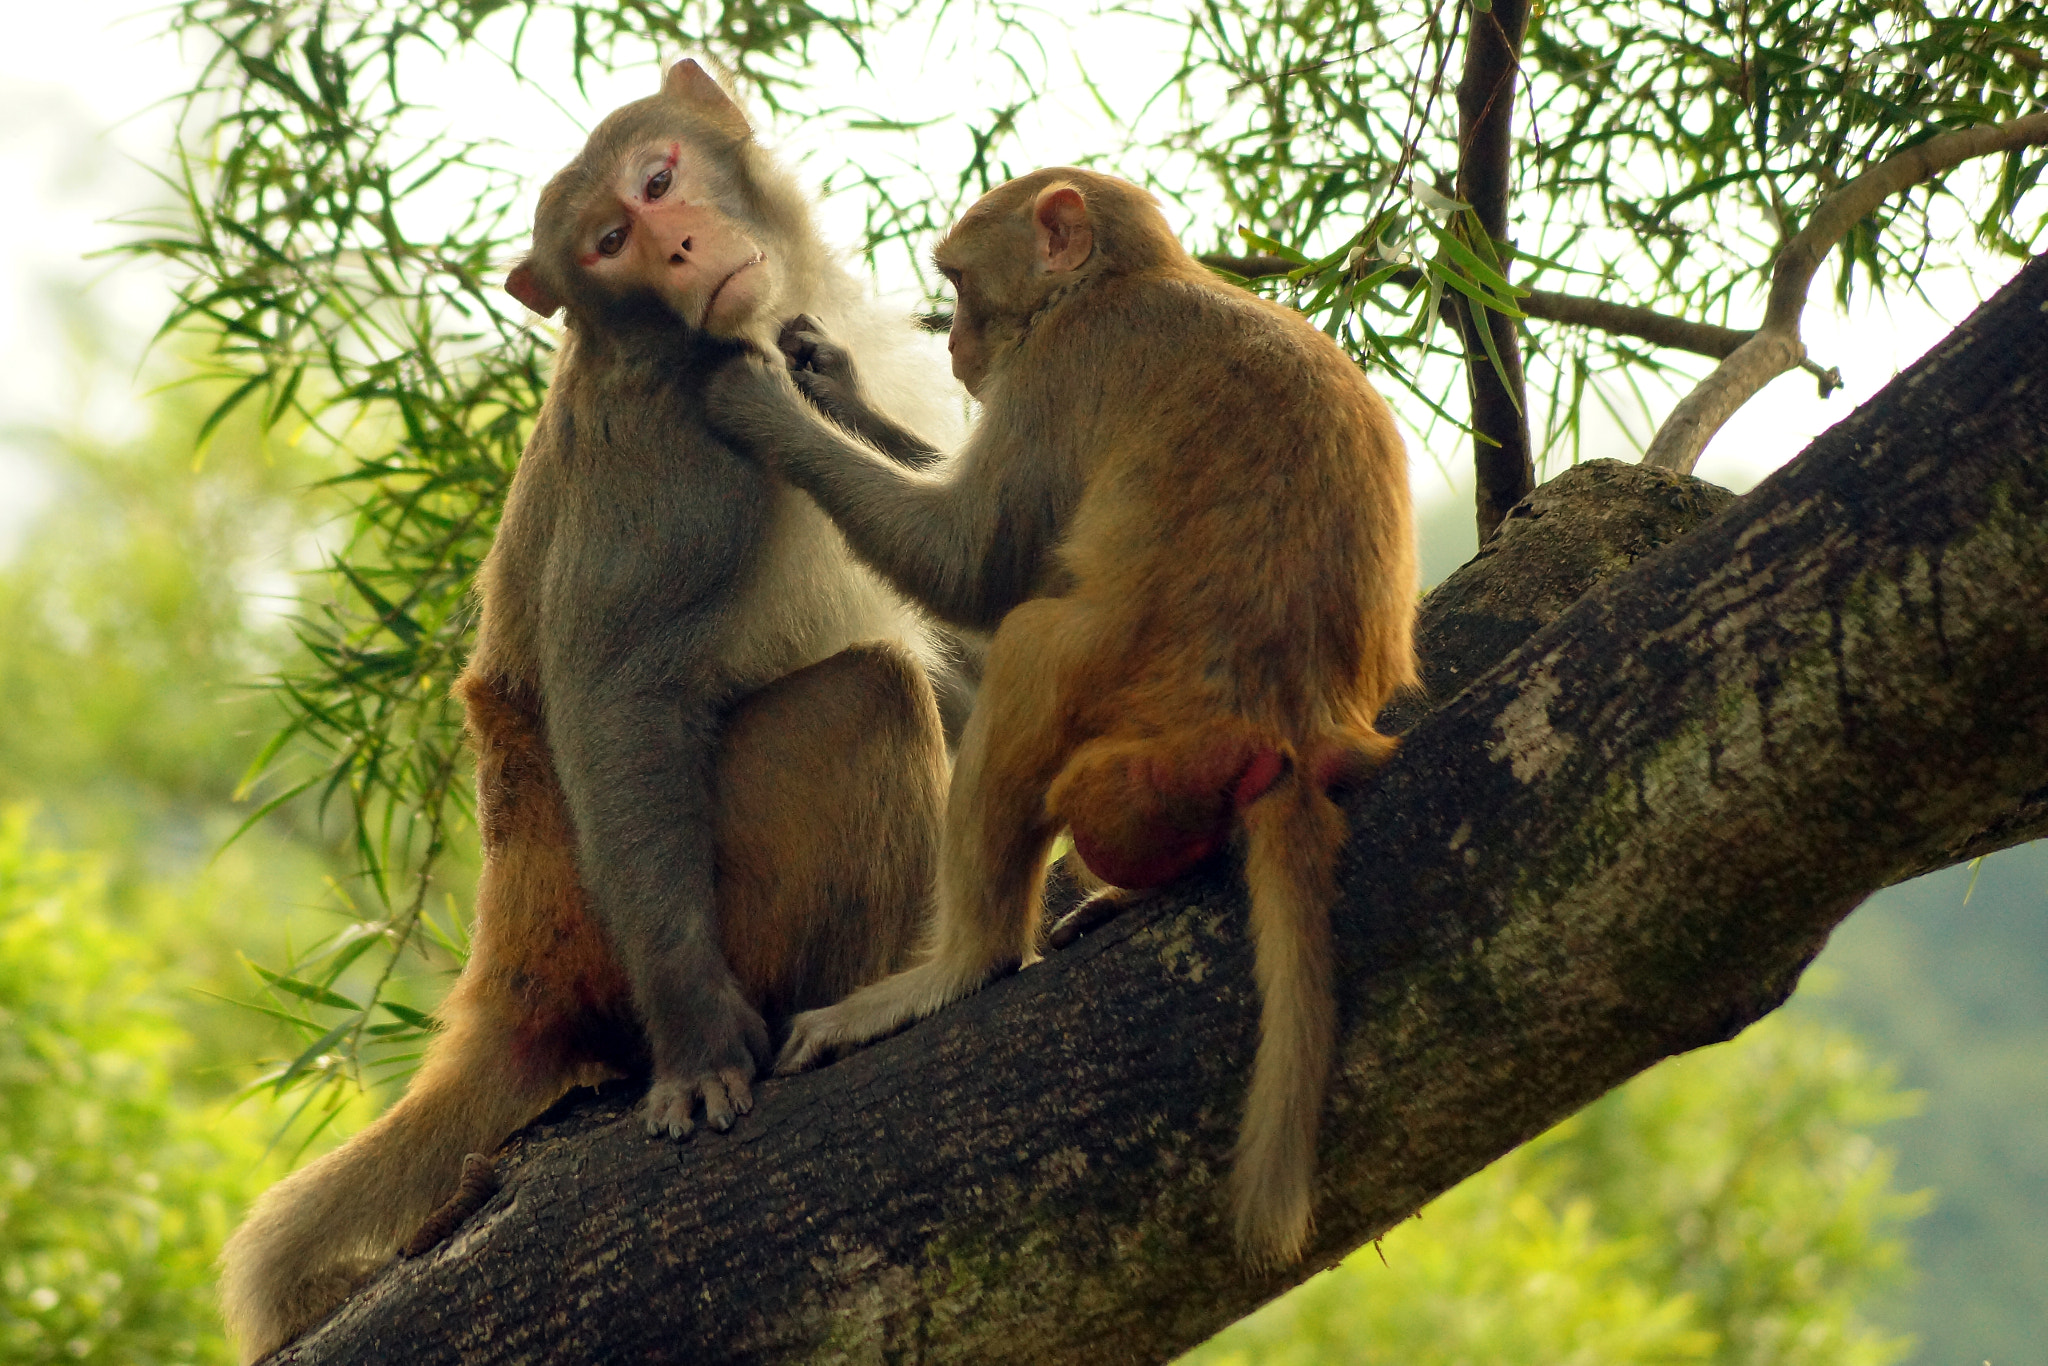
x=1504, y=468
x=1776, y=346
x=1626, y=320
x=1625, y=841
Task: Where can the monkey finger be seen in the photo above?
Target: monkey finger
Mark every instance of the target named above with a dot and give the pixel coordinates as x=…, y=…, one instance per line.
x=728, y=1094
x=799, y=339
x=823, y=392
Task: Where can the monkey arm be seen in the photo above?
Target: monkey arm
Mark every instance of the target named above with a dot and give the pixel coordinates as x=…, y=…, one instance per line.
x=968, y=547
x=825, y=374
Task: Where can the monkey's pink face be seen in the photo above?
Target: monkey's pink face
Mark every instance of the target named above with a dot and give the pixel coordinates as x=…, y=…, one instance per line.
x=968, y=341
x=663, y=232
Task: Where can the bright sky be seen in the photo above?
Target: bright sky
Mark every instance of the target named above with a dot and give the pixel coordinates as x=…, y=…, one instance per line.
x=78, y=133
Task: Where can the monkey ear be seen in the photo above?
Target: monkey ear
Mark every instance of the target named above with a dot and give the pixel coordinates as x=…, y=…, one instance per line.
x=524, y=284
x=1066, y=239
x=692, y=86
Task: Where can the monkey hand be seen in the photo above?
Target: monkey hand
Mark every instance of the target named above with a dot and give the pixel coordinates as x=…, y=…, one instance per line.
x=823, y=371
x=727, y=1049
x=751, y=404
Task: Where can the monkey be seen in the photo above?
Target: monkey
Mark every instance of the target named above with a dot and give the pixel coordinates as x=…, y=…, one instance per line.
x=1184, y=514
x=709, y=761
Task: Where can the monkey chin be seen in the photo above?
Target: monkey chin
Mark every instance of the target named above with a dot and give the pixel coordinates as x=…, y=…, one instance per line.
x=739, y=299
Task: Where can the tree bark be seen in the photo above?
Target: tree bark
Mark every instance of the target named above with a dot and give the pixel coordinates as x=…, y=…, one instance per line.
x=1625, y=841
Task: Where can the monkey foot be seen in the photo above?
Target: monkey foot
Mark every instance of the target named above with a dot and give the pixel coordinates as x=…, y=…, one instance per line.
x=1096, y=911
x=727, y=1093
x=883, y=1007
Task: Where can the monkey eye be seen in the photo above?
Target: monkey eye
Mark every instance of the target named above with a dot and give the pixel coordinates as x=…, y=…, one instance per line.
x=658, y=183
x=613, y=242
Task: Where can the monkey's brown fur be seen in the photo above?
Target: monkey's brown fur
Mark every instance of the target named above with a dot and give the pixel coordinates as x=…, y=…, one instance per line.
x=1188, y=511
x=704, y=803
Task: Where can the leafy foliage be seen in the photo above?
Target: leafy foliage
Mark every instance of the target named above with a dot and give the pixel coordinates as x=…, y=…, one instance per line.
x=1726, y=1207
x=115, y=1189
x=1664, y=149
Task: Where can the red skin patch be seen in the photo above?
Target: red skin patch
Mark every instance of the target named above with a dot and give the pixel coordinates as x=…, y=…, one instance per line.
x=1164, y=851
x=1261, y=773
x=1150, y=869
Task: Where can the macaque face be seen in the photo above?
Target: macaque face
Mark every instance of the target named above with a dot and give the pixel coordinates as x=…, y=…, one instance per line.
x=997, y=282
x=1004, y=261
x=660, y=230
x=968, y=341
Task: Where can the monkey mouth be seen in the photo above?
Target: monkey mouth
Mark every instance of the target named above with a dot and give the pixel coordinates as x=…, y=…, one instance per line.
x=758, y=258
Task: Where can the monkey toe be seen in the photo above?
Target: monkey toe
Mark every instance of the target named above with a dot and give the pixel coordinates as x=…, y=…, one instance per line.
x=728, y=1094
x=1096, y=911
x=811, y=1041
x=667, y=1109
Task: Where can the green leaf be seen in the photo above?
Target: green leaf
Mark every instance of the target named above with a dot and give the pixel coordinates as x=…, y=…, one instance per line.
x=305, y=990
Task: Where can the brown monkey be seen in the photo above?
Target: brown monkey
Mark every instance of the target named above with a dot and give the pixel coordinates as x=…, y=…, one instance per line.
x=1185, y=513
x=704, y=804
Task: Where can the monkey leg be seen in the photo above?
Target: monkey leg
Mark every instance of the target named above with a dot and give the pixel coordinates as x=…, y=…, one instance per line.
x=830, y=784
x=527, y=1020
x=996, y=836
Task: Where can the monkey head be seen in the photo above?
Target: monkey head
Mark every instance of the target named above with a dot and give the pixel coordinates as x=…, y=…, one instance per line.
x=1030, y=242
x=660, y=208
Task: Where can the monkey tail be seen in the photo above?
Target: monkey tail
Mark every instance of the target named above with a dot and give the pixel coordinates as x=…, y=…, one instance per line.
x=1295, y=832
x=320, y=1233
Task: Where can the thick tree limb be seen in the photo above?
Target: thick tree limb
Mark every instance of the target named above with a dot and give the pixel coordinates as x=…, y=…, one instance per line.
x=1504, y=469
x=1776, y=346
x=1625, y=841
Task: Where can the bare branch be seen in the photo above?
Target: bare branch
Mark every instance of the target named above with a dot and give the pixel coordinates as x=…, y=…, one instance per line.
x=1776, y=346
x=1503, y=467
x=1626, y=320
x=1579, y=310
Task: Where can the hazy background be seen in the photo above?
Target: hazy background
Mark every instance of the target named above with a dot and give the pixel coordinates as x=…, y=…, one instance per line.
x=141, y=589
